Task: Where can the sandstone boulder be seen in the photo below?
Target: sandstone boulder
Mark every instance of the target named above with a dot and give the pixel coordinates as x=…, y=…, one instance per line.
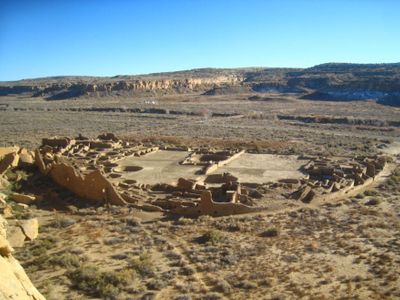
x=25, y=157
x=9, y=160
x=20, y=206
x=22, y=198
x=40, y=163
x=7, y=150
x=14, y=283
x=30, y=228
x=16, y=236
x=305, y=194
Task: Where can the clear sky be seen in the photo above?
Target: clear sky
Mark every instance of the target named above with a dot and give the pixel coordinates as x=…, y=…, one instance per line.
x=105, y=38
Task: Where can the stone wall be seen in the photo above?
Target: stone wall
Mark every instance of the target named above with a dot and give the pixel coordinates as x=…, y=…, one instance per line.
x=93, y=186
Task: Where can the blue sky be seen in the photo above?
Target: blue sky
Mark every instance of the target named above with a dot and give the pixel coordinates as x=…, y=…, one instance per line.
x=106, y=38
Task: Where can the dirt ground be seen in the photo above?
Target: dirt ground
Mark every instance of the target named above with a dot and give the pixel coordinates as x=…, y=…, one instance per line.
x=261, y=168
x=345, y=249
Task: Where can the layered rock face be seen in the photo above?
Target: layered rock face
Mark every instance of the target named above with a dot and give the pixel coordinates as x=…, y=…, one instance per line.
x=69, y=89
x=14, y=283
x=332, y=81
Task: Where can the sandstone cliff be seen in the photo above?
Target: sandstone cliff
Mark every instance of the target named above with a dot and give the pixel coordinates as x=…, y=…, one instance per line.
x=71, y=87
x=332, y=81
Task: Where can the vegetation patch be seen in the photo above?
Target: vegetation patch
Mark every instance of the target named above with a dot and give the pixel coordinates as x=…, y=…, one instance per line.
x=212, y=236
x=144, y=265
x=270, y=232
x=105, y=284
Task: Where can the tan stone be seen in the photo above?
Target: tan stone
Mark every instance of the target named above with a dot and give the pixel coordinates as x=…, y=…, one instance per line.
x=305, y=194
x=14, y=283
x=16, y=236
x=40, y=163
x=20, y=206
x=25, y=157
x=9, y=160
x=7, y=150
x=30, y=228
x=22, y=198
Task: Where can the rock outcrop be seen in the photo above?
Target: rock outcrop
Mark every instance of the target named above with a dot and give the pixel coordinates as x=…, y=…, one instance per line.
x=11, y=157
x=64, y=89
x=14, y=283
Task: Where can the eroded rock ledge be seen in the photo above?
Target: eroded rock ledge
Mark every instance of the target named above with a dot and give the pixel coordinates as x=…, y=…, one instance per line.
x=14, y=283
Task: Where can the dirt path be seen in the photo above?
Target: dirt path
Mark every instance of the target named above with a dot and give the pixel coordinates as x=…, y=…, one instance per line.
x=393, y=148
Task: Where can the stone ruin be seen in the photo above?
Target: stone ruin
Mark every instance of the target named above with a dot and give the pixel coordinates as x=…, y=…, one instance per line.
x=86, y=168
x=329, y=178
x=211, y=160
x=194, y=198
x=89, y=168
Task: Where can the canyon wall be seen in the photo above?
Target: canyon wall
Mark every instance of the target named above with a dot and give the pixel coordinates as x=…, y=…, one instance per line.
x=65, y=89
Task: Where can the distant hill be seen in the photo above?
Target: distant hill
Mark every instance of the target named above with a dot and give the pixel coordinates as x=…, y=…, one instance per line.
x=330, y=81
x=348, y=67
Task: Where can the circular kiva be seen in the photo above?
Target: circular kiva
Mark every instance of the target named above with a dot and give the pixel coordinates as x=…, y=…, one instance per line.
x=123, y=169
x=115, y=175
x=132, y=168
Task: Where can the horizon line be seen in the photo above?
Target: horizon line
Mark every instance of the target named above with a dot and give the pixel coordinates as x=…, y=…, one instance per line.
x=192, y=69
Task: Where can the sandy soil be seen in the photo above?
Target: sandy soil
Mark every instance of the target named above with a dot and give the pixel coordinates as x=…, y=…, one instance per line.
x=261, y=168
